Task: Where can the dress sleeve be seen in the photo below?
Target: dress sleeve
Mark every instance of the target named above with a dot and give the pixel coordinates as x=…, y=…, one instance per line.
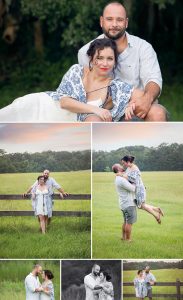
x=121, y=94
x=51, y=290
x=133, y=176
x=70, y=85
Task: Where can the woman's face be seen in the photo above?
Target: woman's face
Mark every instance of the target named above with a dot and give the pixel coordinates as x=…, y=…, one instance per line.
x=103, y=61
x=41, y=180
x=125, y=164
x=141, y=274
x=101, y=276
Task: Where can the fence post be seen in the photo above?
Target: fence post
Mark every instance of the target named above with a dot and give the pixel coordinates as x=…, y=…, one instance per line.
x=178, y=289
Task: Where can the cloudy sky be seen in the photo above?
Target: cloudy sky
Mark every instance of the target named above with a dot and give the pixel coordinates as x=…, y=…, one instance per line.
x=43, y=137
x=109, y=137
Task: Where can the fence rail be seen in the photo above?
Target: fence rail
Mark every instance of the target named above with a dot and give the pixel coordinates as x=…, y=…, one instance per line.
x=177, y=285
x=18, y=213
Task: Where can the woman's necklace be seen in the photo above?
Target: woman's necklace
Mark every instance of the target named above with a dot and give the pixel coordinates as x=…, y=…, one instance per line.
x=99, y=89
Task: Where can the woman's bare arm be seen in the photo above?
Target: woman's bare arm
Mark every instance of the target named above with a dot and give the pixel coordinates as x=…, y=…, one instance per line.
x=78, y=107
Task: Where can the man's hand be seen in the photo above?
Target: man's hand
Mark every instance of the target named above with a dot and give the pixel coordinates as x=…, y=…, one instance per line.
x=66, y=194
x=142, y=106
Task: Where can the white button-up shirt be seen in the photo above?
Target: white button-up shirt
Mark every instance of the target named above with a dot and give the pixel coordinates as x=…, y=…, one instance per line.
x=90, y=282
x=31, y=283
x=137, y=64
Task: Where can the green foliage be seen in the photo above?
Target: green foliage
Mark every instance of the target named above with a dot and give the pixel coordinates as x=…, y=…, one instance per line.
x=161, y=158
x=54, y=161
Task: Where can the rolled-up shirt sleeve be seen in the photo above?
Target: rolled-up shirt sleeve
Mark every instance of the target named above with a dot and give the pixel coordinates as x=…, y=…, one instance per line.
x=149, y=66
x=89, y=282
x=55, y=184
x=29, y=282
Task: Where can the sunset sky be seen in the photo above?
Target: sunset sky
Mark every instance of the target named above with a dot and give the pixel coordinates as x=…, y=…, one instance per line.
x=108, y=136
x=43, y=137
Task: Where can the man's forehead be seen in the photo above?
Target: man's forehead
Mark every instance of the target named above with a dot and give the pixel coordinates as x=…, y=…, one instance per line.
x=114, y=9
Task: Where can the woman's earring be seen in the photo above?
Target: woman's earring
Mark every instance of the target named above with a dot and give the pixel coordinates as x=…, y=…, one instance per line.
x=90, y=66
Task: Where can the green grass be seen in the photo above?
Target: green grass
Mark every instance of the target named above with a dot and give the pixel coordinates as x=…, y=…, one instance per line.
x=13, y=274
x=67, y=237
x=172, y=99
x=162, y=275
x=150, y=240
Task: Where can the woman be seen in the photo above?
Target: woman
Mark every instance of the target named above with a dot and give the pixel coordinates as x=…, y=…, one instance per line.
x=84, y=94
x=47, y=286
x=107, y=291
x=140, y=285
x=132, y=174
x=43, y=203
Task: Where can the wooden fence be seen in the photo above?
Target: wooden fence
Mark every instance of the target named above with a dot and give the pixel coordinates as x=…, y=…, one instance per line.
x=7, y=213
x=177, y=285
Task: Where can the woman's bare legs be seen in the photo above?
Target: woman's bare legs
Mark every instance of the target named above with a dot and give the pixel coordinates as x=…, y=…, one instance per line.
x=42, y=223
x=153, y=210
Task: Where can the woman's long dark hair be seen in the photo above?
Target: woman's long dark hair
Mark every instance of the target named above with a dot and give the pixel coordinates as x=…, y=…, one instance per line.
x=100, y=44
x=128, y=158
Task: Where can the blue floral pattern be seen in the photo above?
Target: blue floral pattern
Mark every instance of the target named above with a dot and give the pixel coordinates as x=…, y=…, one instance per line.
x=134, y=176
x=72, y=86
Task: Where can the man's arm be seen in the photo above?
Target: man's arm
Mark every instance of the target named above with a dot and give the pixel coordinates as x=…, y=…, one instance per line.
x=125, y=184
x=59, y=189
x=29, y=283
x=150, y=76
x=31, y=189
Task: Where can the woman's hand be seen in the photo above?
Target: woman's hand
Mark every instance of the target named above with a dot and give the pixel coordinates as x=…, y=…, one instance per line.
x=129, y=111
x=103, y=113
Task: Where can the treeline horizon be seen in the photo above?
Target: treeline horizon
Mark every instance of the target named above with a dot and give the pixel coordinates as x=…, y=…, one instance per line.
x=55, y=161
x=165, y=157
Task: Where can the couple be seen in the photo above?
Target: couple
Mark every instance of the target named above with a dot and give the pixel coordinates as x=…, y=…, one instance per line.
x=132, y=194
x=34, y=289
x=98, y=285
x=42, y=198
x=143, y=283
x=118, y=76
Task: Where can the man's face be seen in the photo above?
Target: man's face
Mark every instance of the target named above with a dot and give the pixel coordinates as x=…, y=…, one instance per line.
x=114, y=21
x=96, y=270
x=147, y=270
x=38, y=270
x=46, y=174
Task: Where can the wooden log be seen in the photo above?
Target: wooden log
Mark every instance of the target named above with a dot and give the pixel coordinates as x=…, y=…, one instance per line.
x=55, y=196
x=26, y=213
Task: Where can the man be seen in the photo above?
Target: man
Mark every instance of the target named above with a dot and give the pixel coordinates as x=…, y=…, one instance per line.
x=150, y=281
x=32, y=284
x=137, y=62
x=127, y=205
x=50, y=183
x=91, y=282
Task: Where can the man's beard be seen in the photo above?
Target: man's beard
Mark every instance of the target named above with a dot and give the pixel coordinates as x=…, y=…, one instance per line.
x=95, y=273
x=114, y=37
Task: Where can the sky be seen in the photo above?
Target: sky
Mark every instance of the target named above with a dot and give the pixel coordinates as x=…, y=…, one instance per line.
x=42, y=137
x=112, y=136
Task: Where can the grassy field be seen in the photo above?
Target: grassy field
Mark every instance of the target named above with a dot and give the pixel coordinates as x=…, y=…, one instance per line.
x=68, y=237
x=13, y=274
x=162, y=275
x=150, y=240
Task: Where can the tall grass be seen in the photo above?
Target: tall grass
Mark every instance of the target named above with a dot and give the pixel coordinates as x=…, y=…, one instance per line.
x=150, y=240
x=74, y=292
x=13, y=274
x=162, y=275
x=67, y=237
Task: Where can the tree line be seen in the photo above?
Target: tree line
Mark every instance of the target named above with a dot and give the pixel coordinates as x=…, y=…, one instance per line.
x=165, y=157
x=153, y=265
x=39, y=161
